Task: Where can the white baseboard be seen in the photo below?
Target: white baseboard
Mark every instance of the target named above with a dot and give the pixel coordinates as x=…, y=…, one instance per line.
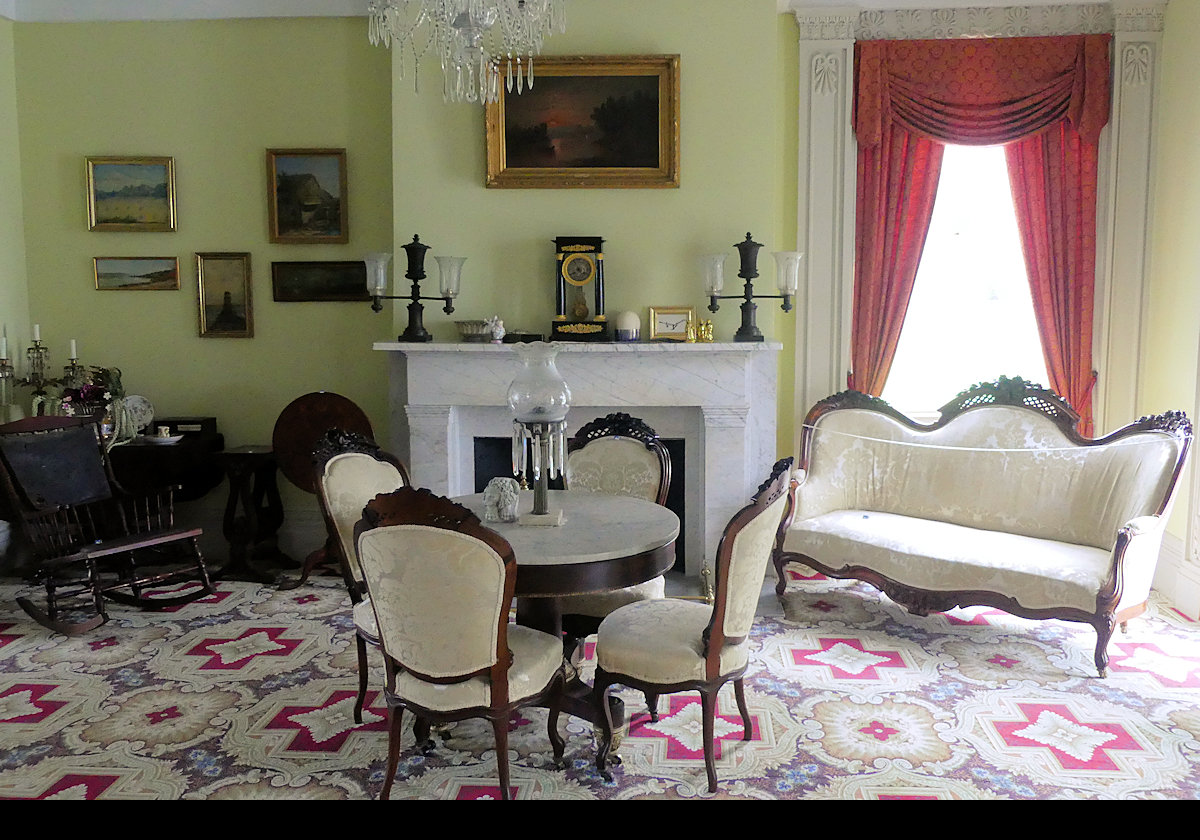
x=1177, y=579
x=302, y=532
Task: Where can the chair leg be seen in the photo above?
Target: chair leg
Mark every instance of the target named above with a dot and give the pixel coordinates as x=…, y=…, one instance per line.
x=363, y=673
x=739, y=691
x=708, y=703
x=557, y=742
x=600, y=688
x=500, y=727
x=396, y=713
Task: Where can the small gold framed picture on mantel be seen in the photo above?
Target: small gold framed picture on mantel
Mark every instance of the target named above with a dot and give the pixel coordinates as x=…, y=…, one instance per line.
x=670, y=323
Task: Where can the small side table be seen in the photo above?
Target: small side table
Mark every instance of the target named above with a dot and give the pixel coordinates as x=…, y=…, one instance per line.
x=253, y=514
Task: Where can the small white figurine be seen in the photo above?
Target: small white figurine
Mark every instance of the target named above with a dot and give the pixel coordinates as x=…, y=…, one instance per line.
x=500, y=499
x=496, y=327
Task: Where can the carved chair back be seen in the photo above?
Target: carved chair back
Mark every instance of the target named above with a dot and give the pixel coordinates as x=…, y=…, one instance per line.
x=619, y=455
x=350, y=469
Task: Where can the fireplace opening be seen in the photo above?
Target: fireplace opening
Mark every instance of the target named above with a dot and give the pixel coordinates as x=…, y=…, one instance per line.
x=493, y=458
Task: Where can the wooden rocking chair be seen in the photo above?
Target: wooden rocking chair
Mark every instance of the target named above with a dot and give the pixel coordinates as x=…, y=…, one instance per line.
x=91, y=539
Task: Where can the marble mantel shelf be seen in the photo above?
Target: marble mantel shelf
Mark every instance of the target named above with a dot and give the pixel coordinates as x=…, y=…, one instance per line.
x=719, y=398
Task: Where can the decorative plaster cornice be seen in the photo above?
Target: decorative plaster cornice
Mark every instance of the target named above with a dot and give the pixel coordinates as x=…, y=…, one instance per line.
x=819, y=24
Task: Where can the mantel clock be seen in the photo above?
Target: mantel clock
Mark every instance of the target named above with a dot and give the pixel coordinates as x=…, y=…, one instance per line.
x=579, y=289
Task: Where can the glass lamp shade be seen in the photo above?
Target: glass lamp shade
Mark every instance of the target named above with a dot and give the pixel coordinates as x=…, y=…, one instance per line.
x=713, y=266
x=377, y=268
x=787, y=270
x=538, y=393
x=449, y=274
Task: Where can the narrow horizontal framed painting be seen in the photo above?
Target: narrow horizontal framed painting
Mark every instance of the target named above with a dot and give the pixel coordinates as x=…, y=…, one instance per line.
x=320, y=281
x=131, y=194
x=224, y=295
x=588, y=121
x=306, y=196
x=136, y=274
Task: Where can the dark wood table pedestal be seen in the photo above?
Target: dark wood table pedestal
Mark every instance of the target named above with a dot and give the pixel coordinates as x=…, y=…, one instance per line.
x=253, y=515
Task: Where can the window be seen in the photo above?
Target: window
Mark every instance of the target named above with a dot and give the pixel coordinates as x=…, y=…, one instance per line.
x=970, y=318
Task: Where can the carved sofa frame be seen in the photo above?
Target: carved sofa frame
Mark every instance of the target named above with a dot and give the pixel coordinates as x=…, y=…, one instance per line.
x=1003, y=461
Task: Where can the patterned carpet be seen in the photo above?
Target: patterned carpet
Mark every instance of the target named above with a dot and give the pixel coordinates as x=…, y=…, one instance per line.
x=248, y=695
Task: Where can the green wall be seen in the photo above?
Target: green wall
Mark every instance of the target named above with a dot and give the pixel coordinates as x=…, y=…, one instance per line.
x=14, y=290
x=214, y=95
x=735, y=165
x=1173, y=303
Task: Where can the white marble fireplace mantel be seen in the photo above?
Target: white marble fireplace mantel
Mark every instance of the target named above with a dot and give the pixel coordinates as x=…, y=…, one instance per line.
x=719, y=398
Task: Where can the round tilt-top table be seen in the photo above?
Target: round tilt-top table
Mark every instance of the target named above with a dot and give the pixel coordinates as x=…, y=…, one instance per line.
x=604, y=543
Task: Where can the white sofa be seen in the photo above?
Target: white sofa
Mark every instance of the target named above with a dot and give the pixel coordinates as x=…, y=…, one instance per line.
x=999, y=503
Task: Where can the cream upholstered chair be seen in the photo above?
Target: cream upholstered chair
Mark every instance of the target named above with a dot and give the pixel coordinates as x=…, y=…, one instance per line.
x=351, y=470
x=441, y=586
x=619, y=455
x=668, y=645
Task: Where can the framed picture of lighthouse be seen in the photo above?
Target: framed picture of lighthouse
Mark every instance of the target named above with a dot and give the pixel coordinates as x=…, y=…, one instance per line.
x=224, y=295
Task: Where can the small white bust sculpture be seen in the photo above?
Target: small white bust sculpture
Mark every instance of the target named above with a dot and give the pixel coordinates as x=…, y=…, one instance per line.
x=500, y=500
x=496, y=327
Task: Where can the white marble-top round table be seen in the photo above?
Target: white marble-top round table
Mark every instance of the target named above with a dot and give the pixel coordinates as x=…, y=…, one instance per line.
x=605, y=542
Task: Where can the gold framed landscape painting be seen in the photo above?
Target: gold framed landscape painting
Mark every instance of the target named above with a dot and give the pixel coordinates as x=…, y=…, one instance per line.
x=131, y=194
x=224, y=292
x=306, y=196
x=588, y=121
x=136, y=273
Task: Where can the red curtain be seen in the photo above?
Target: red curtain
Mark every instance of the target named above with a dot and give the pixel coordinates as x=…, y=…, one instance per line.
x=982, y=92
x=897, y=183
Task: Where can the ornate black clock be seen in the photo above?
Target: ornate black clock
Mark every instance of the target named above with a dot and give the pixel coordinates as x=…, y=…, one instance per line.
x=579, y=290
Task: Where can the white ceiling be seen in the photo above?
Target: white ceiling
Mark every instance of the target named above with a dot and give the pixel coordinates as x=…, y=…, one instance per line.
x=75, y=10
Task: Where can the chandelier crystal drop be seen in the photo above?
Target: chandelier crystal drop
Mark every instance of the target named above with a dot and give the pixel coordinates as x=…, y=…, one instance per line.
x=473, y=39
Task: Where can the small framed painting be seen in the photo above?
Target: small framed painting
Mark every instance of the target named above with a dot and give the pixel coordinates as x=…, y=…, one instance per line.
x=306, y=196
x=319, y=281
x=670, y=323
x=136, y=274
x=131, y=194
x=224, y=294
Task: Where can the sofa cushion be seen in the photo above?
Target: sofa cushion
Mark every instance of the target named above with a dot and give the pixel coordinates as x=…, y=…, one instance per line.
x=942, y=556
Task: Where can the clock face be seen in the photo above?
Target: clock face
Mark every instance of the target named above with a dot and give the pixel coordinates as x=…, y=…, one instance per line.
x=578, y=269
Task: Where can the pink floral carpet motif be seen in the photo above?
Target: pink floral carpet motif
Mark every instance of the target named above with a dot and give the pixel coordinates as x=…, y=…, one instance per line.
x=249, y=694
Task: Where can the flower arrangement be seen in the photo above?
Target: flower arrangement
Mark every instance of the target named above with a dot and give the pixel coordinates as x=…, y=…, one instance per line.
x=97, y=393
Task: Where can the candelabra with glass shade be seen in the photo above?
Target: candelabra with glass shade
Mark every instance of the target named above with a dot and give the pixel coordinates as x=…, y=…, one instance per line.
x=787, y=278
x=450, y=278
x=539, y=399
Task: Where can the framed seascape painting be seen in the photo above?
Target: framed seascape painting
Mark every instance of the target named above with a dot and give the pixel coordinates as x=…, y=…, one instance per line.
x=131, y=194
x=224, y=293
x=306, y=196
x=136, y=273
x=588, y=121
x=319, y=281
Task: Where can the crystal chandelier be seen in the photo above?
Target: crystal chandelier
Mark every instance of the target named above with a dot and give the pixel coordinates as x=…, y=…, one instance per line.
x=473, y=38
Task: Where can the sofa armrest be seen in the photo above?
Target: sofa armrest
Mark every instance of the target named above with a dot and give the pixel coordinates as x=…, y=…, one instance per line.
x=1137, y=564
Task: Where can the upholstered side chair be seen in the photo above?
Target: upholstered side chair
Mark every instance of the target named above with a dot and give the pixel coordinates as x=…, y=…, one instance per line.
x=442, y=585
x=668, y=645
x=622, y=456
x=350, y=469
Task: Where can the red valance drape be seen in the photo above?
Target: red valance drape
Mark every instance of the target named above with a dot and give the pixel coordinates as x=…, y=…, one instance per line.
x=981, y=92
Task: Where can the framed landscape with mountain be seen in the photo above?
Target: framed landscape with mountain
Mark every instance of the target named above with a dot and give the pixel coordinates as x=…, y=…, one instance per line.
x=131, y=194
x=306, y=196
